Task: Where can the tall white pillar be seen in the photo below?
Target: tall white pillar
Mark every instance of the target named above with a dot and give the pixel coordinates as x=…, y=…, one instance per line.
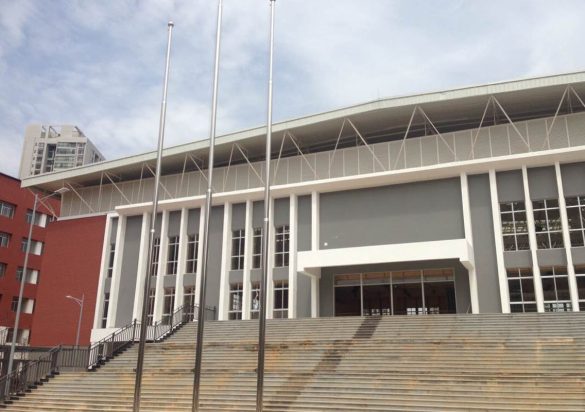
x=99, y=305
x=159, y=298
x=315, y=239
x=199, y=254
x=499, y=243
x=315, y=221
x=473, y=291
x=116, y=273
x=292, y=257
x=142, y=268
x=567, y=240
x=248, y=251
x=179, y=295
x=226, y=253
x=533, y=245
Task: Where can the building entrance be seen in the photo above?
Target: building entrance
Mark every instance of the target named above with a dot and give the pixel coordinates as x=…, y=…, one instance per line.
x=411, y=292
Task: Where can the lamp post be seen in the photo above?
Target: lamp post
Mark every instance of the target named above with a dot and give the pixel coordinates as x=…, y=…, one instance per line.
x=80, y=303
x=23, y=281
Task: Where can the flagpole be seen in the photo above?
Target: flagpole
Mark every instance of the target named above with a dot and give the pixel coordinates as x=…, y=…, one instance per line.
x=161, y=137
x=266, y=229
x=206, y=219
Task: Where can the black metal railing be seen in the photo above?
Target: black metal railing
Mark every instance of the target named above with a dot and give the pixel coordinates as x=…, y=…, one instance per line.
x=28, y=374
x=111, y=345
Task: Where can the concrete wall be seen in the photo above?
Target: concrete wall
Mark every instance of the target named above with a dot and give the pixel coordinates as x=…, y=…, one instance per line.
x=128, y=275
x=484, y=244
x=304, y=222
x=214, y=257
x=303, y=296
x=414, y=212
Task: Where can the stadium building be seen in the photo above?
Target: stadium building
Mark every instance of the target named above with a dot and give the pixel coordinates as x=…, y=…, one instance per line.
x=462, y=201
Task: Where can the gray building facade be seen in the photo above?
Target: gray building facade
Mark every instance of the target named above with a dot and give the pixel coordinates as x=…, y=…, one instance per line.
x=465, y=201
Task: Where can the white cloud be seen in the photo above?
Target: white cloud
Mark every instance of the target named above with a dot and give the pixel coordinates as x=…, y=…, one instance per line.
x=99, y=65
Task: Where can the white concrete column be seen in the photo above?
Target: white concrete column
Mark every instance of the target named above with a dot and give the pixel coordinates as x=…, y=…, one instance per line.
x=98, y=313
x=270, y=251
x=199, y=254
x=567, y=240
x=179, y=295
x=162, y=267
x=226, y=254
x=292, y=257
x=142, y=267
x=248, y=251
x=315, y=297
x=533, y=245
x=473, y=291
x=117, y=273
x=315, y=221
x=499, y=243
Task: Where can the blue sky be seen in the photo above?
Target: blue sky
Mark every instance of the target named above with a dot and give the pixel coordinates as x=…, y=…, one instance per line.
x=99, y=64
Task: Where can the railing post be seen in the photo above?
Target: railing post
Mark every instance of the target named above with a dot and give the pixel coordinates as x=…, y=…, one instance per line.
x=134, y=330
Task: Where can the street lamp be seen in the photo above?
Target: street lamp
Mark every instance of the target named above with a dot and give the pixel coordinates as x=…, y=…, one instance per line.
x=80, y=303
x=23, y=280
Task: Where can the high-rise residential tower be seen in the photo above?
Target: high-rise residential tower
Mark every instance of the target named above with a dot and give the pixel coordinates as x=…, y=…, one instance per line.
x=49, y=148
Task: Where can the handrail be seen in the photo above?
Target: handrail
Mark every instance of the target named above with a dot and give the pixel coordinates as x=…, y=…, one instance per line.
x=111, y=345
x=28, y=374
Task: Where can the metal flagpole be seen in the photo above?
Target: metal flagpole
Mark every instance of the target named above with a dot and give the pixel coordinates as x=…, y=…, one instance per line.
x=207, y=218
x=266, y=229
x=161, y=137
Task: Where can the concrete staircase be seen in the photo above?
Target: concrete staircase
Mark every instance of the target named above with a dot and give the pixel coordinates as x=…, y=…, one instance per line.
x=520, y=362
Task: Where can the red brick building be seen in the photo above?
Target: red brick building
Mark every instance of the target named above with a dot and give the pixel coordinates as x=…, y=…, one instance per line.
x=16, y=206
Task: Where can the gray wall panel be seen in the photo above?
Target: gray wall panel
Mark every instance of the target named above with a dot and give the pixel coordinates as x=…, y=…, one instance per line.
x=518, y=259
x=129, y=271
x=303, y=296
x=326, y=294
x=175, y=223
x=578, y=254
x=281, y=211
x=573, y=179
x=257, y=214
x=114, y=230
x=484, y=244
x=239, y=216
x=542, y=182
x=214, y=263
x=510, y=187
x=414, y=212
x=280, y=273
x=551, y=257
x=189, y=279
x=304, y=221
x=170, y=281
x=193, y=221
x=236, y=276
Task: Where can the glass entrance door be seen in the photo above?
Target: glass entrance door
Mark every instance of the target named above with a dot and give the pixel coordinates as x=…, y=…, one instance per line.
x=410, y=292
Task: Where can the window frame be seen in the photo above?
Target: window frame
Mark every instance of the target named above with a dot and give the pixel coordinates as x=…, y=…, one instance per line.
x=255, y=289
x=105, y=308
x=238, y=249
x=155, y=256
x=514, y=210
x=111, y=260
x=557, y=274
x=280, y=296
x=7, y=209
x=281, y=246
x=542, y=227
x=192, y=253
x=173, y=255
x=236, y=301
x=578, y=203
x=5, y=239
x=519, y=275
x=257, y=248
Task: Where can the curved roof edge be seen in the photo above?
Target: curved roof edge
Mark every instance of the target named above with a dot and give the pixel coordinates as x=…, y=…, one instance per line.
x=385, y=103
